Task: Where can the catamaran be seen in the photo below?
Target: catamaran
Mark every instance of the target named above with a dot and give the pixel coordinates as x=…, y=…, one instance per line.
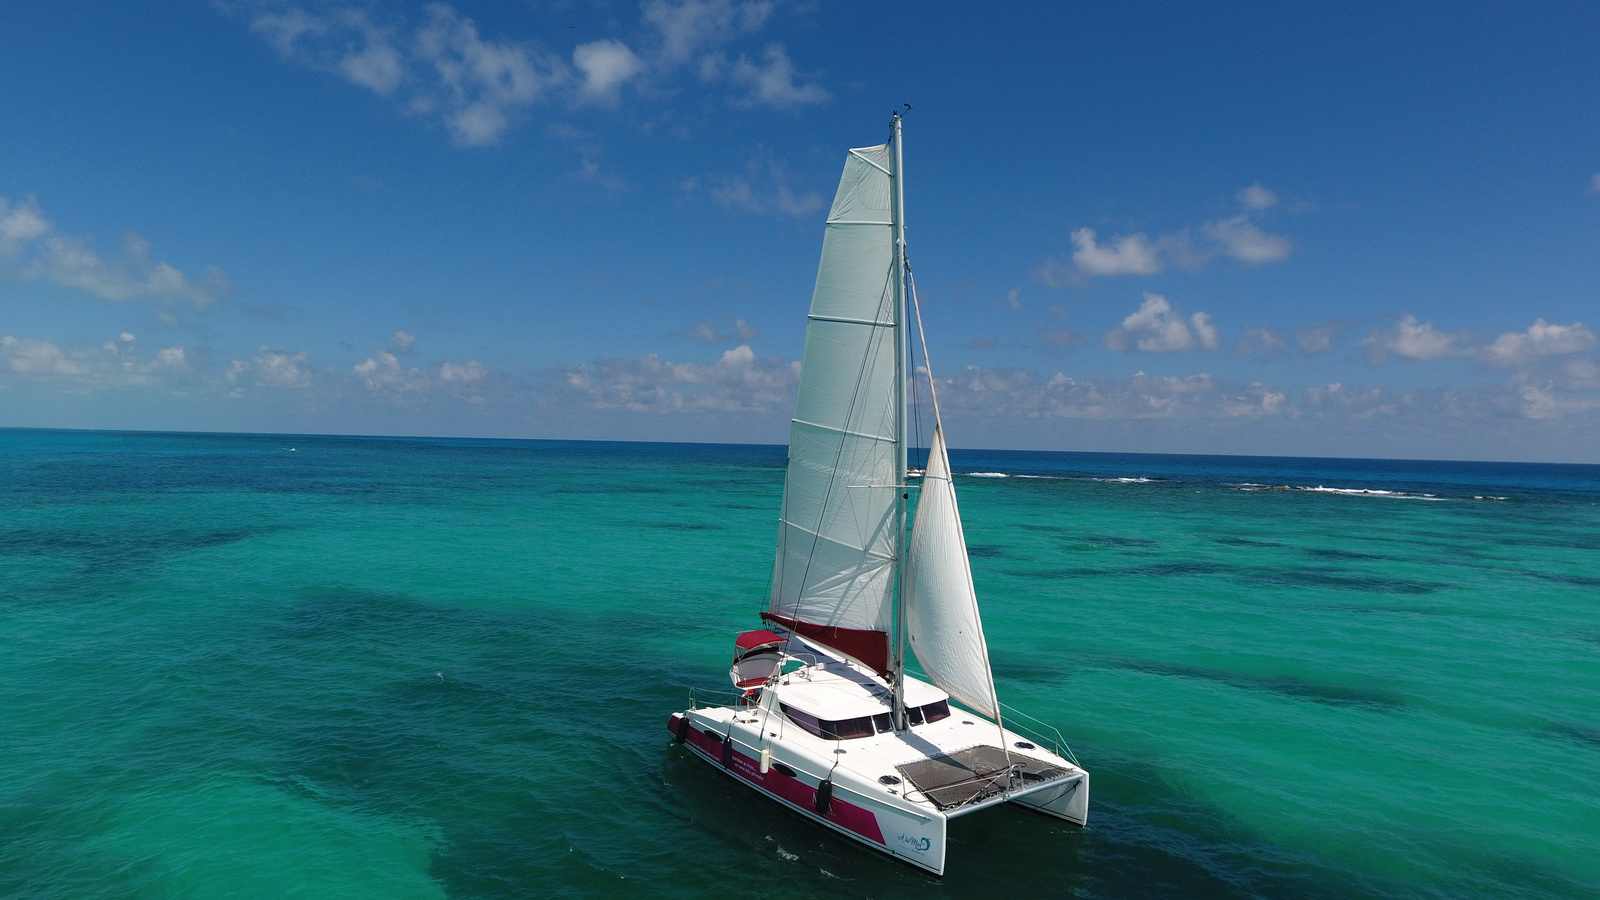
x=825, y=718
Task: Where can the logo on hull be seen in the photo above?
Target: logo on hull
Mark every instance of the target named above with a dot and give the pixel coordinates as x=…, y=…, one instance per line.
x=914, y=842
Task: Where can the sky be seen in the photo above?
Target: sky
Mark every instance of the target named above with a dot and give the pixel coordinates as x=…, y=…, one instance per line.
x=1280, y=230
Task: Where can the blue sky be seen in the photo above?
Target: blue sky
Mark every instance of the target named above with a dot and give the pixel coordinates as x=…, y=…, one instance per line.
x=1366, y=232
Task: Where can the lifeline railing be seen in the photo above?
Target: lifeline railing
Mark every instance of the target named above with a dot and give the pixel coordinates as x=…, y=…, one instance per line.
x=1041, y=731
x=700, y=698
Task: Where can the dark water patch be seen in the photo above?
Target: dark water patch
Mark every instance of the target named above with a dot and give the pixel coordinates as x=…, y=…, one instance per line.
x=1392, y=608
x=1063, y=572
x=1589, y=581
x=1551, y=543
x=1016, y=667
x=1337, y=554
x=1114, y=540
x=1245, y=542
x=1339, y=579
x=1184, y=568
x=673, y=526
x=741, y=506
x=121, y=552
x=1285, y=685
x=1585, y=735
x=1125, y=854
x=612, y=487
x=985, y=551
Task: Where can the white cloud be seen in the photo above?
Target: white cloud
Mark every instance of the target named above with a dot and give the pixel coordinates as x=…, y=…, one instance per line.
x=270, y=368
x=1581, y=373
x=1256, y=196
x=763, y=190
x=135, y=274
x=114, y=364
x=283, y=30
x=1594, y=183
x=605, y=66
x=383, y=373
x=1255, y=401
x=37, y=358
x=469, y=372
x=1261, y=342
x=402, y=340
x=1126, y=255
x=20, y=223
x=1243, y=240
x=770, y=81
x=1539, y=339
x=1204, y=330
x=686, y=27
x=172, y=358
x=1156, y=327
x=708, y=332
x=1315, y=338
x=1411, y=338
x=1014, y=298
x=738, y=382
x=442, y=69
x=479, y=81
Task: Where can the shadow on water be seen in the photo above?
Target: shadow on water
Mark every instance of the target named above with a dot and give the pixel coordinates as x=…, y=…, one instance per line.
x=1583, y=735
x=1283, y=685
x=1143, y=841
x=114, y=549
x=985, y=551
x=1245, y=542
x=1255, y=575
x=671, y=526
x=1335, y=553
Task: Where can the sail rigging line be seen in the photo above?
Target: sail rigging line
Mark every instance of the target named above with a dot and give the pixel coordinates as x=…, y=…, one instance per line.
x=966, y=559
x=844, y=433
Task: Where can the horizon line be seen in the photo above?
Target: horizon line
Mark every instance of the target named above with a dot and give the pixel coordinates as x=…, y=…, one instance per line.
x=571, y=440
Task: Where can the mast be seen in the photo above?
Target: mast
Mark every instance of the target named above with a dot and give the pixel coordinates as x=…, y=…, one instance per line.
x=901, y=355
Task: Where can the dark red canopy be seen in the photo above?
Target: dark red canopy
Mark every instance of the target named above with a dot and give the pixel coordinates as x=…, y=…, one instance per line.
x=751, y=640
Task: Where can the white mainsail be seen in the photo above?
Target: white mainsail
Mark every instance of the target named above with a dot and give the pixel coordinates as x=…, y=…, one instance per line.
x=838, y=535
x=942, y=607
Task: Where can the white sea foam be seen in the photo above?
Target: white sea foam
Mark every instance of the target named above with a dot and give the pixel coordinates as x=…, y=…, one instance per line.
x=988, y=475
x=1125, y=480
x=1046, y=477
x=1368, y=492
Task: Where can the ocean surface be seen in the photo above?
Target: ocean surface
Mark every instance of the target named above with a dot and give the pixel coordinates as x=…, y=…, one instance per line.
x=260, y=666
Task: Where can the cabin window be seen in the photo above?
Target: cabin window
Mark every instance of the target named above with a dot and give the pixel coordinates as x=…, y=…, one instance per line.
x=884, y=722
x=804, y=720
x=847, y=729
x=913, y=715
x=841, y=730
x=933, y=712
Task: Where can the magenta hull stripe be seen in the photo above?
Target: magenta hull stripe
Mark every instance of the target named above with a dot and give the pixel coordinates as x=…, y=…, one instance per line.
x=855, y=819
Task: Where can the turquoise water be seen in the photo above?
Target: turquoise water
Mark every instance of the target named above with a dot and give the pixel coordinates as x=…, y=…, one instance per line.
x=428, y=668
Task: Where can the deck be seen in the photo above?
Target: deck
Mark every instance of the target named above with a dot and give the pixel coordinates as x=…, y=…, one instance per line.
x=974, y=774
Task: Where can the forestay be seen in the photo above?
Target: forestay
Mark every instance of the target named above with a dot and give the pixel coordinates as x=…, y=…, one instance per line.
x=833, y=579
x=942, y=607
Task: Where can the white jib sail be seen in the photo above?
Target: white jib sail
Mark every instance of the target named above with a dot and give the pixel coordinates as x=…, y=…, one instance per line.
x=942, y=606
x=838, y=532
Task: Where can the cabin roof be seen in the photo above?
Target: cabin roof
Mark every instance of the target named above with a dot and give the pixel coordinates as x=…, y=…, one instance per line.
x=838, y=690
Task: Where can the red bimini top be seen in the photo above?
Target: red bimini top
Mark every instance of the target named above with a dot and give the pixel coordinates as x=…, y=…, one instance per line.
x=760, y=639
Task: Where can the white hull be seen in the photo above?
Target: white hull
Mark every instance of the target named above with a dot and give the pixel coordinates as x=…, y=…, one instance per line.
x=895, y=818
